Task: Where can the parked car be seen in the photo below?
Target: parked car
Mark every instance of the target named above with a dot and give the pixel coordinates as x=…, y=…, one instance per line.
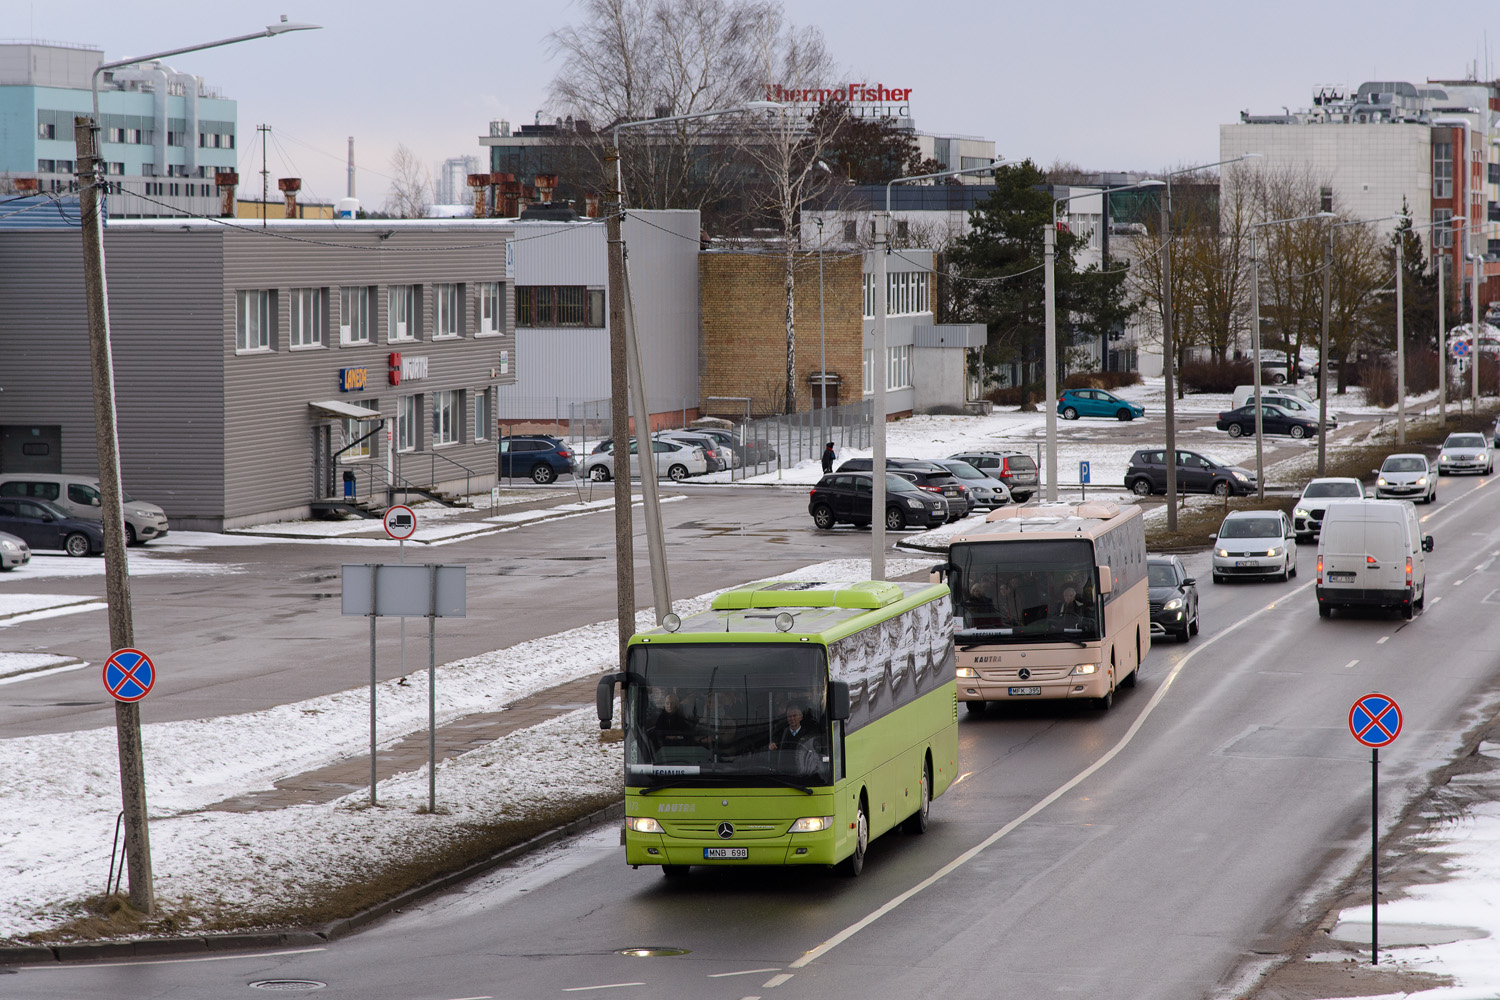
x=1372, y=554
x=1075, y=403
x=1277, y=396
x=983, y=491
x=726, y=444
x=1196, y=473
x=79, y=497
x=1016, y=469
x=1465, y=453
x=1307, y=515
x=13, y=552
x=1407, y=476
x=675, y=460
x=538, y=457
x=716, y=460
x=926, y=475
x=755, y=451
x=1257, y=543
x=1273, y=420
x=1173, y=596
x=848, y=497
x=44, y=526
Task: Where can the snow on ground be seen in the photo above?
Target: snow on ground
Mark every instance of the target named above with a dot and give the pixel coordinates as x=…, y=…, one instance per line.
x=59, y=793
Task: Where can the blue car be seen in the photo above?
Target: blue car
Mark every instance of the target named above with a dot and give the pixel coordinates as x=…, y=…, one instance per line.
x=539, y=457
x=1075, y=403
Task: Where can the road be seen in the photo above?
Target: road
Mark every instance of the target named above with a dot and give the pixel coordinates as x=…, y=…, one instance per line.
x=1156, y=851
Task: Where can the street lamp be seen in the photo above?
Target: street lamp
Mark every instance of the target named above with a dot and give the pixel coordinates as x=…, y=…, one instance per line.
x=1169, y=359
x=116, y=570
x=880, y=367
x=627, y=380
x=1260, y=479
x=1049, y=244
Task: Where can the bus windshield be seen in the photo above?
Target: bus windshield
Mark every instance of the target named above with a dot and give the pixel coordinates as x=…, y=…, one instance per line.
x=727, y=714
x=1021, y=591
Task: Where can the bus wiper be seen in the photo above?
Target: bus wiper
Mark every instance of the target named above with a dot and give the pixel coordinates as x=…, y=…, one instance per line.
x=680, y=783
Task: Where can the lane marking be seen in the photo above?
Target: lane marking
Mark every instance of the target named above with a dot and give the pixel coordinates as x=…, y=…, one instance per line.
x=1385, y=638
x=166, y=961
x=775, y=981
x=475, y=998
x=605, y=986
x=1350, y=664
x=48, y=672
x=747, y=972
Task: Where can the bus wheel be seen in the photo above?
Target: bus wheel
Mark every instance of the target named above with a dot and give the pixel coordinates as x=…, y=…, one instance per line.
x=917, y=821
x=1130, y=678
x=674, y=871
x=855, y=863
x=1107, y=702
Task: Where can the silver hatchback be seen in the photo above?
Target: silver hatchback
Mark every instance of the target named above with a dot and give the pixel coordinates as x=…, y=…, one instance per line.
x=1408, y=476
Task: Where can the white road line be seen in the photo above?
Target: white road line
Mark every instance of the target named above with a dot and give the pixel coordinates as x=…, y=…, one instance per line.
x=167, y=961
x=746, y=972
x=775, y=981
x=1350, y=664
x=1385, y=638
x=475, y=998
x=605, y=986
x=34, y=674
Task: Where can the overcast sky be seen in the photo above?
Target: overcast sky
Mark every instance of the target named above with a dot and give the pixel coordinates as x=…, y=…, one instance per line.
x=1108, y=86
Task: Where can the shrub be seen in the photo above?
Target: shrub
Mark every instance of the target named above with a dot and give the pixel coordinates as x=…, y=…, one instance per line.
x=1215, y=376
x=1101, y=380
x=1014, y=395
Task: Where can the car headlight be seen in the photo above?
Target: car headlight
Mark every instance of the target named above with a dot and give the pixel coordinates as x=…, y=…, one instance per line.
x=1381, y=481
x=1085, y=668
x=1422, y=481
x=1241, y=477
x=966, y=672
x=643, y=824
x=1442, y=458
x=10, y=546
x=1273, y=553
x=1222, y=553
x=1302, y=512
x=1172, y=605
x=812, y=824
x=914, y=503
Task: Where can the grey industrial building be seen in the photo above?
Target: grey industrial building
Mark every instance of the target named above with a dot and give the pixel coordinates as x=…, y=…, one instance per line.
x=259, y=367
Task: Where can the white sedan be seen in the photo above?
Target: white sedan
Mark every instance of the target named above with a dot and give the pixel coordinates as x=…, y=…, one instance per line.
x=675, y=460
x=1465, y=453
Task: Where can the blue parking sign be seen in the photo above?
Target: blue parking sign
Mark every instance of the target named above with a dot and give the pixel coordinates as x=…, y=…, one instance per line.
x=1083, y=473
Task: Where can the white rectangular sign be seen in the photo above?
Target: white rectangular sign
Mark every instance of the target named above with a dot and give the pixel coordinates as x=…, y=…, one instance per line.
x=405, y=590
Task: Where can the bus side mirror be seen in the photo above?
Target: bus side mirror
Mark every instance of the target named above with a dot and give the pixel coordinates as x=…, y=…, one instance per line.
x=838, y=701
x=604, y=698
x=1426, y=543
x=939, y=573
x=1106, y=580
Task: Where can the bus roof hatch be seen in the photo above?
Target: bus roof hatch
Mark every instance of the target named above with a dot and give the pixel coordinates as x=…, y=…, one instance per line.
x=810, y=594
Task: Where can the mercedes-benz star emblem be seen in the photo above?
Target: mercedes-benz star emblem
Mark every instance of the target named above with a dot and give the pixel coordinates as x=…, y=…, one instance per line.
x=1024, y=674
x=726, y=830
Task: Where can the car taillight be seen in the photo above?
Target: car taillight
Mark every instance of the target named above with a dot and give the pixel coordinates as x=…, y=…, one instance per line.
x=1320, y=570
x=931, y=489
x=1408, y=571
x=1005, y=467
x=1370, y=561
x=564, y=453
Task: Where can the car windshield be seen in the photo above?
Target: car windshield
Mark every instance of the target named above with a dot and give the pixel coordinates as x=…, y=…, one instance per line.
x=1161, y=575
x=723, y=713
x=963, y=470
x=1251, y=527
x=1020, y=591
x=1316, y=490
x=1404, y=465
x=1465, y=441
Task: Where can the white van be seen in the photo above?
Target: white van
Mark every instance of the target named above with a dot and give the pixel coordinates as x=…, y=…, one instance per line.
x=1371, y=554
x=79, y=496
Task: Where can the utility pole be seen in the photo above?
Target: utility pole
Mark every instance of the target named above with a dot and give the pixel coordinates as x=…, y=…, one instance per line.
x=880, y=372
x=265, y=174
x=1400, y=348
x=1440, y=259
x=1049, y=352
x=1168, y=359
x=1323, y=358
x=116, y=570
x=619, y=409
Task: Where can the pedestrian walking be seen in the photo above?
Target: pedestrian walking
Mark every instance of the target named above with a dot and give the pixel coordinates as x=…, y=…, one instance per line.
x=828, y=458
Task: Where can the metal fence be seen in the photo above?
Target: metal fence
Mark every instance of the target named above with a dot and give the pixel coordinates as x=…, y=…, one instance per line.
x=781, y=442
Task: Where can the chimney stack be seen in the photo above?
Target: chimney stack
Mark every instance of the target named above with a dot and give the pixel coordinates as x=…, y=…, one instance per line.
x=290, y=186
x=27, y=185
x=478, y=183
x=227, y=181
x=510, y=194
x=546, y=184
x=591, y=206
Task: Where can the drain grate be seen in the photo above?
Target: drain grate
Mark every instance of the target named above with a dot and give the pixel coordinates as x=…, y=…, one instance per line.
x=291, y=985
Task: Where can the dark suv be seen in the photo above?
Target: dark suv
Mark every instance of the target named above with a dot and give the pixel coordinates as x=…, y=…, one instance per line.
x=540, y=457
x=1016, y=469
x=848, y=497
x=928, y=476
x=1195, y=474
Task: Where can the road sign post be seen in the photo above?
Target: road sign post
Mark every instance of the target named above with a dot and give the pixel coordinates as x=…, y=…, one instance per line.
x=1375, y=720
x=1083, y=480
x=400, y=522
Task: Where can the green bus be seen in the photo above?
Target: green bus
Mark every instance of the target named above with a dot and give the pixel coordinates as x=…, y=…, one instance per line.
x=790, y=724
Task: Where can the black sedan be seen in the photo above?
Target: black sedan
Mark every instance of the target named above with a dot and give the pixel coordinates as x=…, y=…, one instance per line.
x=43, y=526
x=928, y=476
x=848, y=497
x=1273, y=420
x=1173, y=597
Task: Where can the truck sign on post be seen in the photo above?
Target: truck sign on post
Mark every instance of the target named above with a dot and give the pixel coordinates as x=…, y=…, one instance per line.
x=1375, y=720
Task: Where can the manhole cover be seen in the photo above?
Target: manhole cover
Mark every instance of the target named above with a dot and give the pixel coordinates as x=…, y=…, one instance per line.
x=652, y=952
x=292, y=985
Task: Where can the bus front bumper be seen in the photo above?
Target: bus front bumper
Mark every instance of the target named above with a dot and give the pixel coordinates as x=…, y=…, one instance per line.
x=792, y=849
x=1069, y=685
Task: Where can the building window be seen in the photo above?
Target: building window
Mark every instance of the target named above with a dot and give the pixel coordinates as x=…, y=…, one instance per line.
x=903, y=229
x=356, y=429
x=447, y=417
x=447, y=318
x=851, y=231
x=401, y=313
x=559, y=305
x=46, y=130
x=491, y=308
x=1442, y=169
x=309, y=316
x=484, y=413
x=869, y=280
x=1442, y=228
x=46, y=166
x=254, y=312
x=354, y=314
x=869, y=371
x=406, y=423
x=898, y=368
x=906, y=293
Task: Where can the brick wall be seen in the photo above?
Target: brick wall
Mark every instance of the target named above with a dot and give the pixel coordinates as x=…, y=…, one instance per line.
x=742, y=333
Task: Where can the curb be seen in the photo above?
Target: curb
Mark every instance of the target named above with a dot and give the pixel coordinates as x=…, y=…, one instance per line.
x=298, y=937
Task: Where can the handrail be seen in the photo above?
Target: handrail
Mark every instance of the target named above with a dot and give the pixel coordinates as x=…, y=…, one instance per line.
x=469, y=473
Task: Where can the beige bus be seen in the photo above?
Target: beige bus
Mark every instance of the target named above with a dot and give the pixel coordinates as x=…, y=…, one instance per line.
x=1050, y=602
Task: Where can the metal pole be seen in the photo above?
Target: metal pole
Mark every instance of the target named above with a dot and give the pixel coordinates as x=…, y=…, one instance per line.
x=645, y=446
x=1323, y=357
x=1260, y=478
x=1400, y=351
x=1374, y=856
x=822, y=343
x=431, y=688
x=1049, y=353
x=878, y=370
x=1442, y=341
x=1474, y=325
x=619, y=413
x=374, y=589
x=1168, y=356
x=116, y=569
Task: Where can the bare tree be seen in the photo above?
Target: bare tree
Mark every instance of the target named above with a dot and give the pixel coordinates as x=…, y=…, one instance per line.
x=411, y=186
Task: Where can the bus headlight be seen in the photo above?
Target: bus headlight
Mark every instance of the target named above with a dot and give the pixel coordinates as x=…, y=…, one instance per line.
x=643, y=824
x=1085, y=668
x=966, y=672
x=812, y=824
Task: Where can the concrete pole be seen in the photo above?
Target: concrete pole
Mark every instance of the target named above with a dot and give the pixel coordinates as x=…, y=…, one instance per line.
x=879, y=370
x=1400, y=352
x=116, y=569
x=822, y=342
x=619, y=410
x=656, y=546
x=1168, y=357
x=1442, y=341
x=1474, y=354
x=1260, y=473
x=1049, y=354
x=1323, y=356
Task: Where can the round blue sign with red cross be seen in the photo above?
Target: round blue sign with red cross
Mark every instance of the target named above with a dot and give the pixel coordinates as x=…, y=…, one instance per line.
x=129, y=674
x=1375, y=720
x=1460, y=348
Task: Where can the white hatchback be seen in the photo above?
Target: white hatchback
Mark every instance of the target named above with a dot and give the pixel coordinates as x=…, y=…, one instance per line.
x=1258, y=543
x=675, y=460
